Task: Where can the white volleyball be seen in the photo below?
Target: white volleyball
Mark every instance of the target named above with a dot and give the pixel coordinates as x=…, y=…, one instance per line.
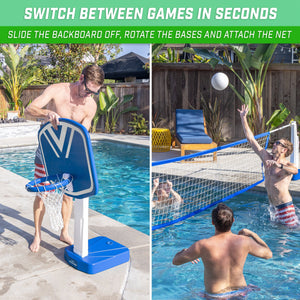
x=219, y=81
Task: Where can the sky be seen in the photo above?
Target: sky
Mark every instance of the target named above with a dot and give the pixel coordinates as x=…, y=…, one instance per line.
x=140, y=49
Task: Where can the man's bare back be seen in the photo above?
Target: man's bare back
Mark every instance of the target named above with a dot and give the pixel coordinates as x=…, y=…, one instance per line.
x=223, y=257
x=224, y=254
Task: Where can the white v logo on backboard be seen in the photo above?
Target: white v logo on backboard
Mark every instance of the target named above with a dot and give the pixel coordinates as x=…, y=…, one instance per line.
x=69, y=150
x=60, y=142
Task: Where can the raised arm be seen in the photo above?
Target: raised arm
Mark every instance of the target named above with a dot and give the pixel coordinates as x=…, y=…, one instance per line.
x=188, y=255
x=37, y=108
x=257, y=247
x=249, y=134
x=176, y=196
x=154, y=187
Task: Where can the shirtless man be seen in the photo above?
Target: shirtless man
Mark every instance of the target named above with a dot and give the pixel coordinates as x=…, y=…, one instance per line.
x=224, y=254
x=66, y=100
x=278, y=173
x=164, y=190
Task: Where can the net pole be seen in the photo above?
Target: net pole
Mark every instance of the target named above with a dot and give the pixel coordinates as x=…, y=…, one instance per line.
x=295, y=154
x=81, y=214
x=295, y=141
x=280, y=128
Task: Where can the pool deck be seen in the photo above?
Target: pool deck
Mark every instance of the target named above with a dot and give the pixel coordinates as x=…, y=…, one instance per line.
x=46, y=275
x=20, y=141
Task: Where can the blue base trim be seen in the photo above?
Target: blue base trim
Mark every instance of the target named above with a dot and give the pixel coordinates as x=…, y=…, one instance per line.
x=206, y=207
x=297, y=176
x=104, y=254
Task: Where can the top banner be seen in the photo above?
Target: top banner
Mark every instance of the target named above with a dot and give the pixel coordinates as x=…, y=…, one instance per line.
x=256, y=21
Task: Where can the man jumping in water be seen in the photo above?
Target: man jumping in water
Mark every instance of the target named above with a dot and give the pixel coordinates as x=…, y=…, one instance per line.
x=63, y=100
x=224, y=255
x=278, y=173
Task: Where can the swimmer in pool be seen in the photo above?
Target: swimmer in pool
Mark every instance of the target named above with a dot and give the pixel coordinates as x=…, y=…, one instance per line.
x=165, y=194
x=224, y=254
x=278, y=173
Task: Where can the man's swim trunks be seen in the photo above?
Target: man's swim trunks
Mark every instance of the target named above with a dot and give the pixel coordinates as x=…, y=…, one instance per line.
x=237, y=294
x=39, y=171
x=285, y=214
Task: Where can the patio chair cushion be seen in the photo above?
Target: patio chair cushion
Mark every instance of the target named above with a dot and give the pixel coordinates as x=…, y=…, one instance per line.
x=189, y=138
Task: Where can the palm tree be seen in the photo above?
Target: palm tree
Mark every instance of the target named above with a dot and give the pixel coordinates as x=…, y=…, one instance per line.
x=15, y=75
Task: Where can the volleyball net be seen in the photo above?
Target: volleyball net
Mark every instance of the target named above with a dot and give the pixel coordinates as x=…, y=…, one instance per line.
x=184, y=186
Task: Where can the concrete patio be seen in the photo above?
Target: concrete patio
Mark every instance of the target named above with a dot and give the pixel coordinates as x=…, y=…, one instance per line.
x=46, y=275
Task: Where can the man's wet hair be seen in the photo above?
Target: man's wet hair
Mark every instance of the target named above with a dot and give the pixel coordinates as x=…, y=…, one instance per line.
x=222, y=217
x=289, y=146
x=93, y=73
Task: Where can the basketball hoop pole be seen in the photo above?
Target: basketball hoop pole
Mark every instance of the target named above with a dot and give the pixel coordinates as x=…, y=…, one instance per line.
x=81, y=215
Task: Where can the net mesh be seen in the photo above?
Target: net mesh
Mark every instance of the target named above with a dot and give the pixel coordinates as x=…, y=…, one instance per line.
x=53, y=199
x=183, y=187
x=53, y=203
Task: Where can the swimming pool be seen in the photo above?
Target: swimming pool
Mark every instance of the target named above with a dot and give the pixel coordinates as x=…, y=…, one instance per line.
x=278, y=278
x=123, y=175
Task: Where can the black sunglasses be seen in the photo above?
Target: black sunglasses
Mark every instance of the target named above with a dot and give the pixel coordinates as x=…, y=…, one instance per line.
x=89, y=91
x=279, y=143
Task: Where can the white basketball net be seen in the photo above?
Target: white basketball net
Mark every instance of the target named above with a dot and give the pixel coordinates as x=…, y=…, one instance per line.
x=53, y=203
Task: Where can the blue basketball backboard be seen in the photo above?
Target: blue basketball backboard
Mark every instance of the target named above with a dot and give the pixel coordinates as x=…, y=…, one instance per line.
x=68, y=150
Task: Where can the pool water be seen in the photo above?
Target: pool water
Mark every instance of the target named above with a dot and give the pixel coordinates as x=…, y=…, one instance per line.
x=278, y=278
x=123, y=175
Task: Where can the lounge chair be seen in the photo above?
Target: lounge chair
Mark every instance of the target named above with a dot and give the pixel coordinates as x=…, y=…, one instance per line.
x=191, y=133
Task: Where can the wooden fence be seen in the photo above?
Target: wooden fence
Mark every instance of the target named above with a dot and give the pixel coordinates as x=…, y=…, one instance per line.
x=140, y=91
x=181, y=86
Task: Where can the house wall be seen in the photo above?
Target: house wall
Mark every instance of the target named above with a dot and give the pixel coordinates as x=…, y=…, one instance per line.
x=181, y=86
